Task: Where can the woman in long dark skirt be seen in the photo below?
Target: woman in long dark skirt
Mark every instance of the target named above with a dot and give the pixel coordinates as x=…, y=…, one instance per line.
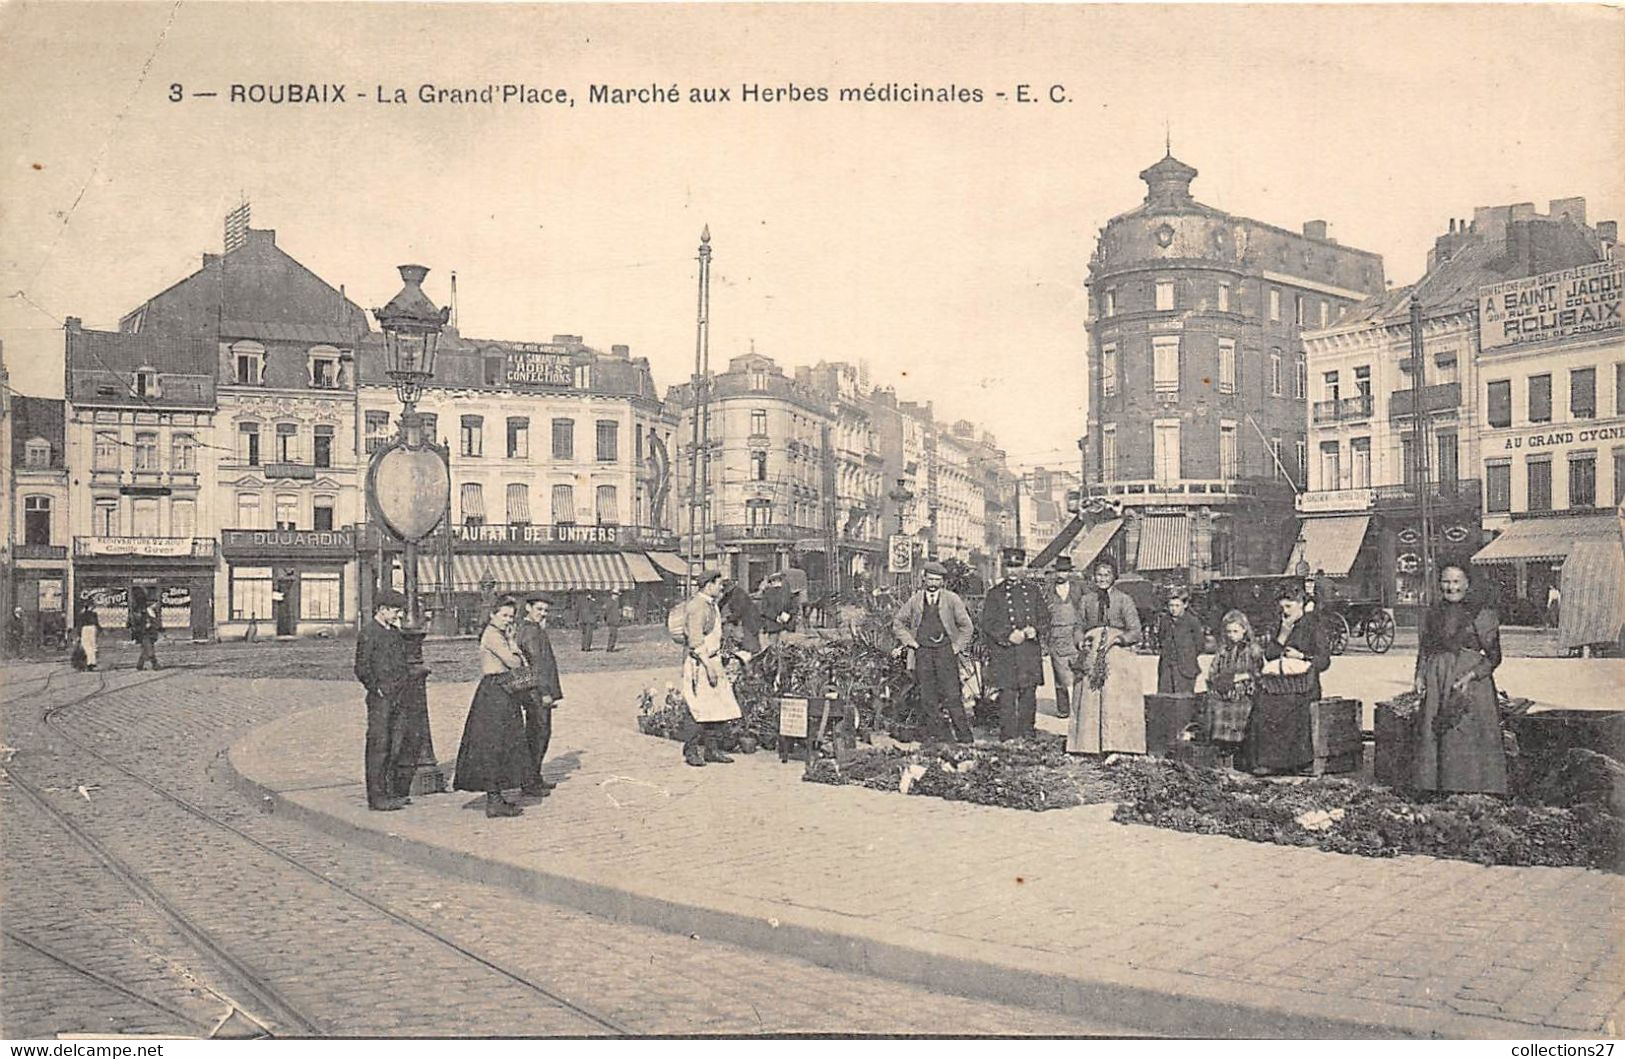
x=1458, y=734
x=1279, y=737
x=494, y=756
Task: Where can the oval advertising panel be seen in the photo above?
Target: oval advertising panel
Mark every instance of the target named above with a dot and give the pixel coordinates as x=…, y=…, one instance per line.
x=411, y=490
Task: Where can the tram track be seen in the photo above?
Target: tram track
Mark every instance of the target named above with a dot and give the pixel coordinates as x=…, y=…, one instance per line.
x=265, y=1003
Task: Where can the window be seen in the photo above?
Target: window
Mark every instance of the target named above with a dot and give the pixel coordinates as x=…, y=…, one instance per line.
x=1108, y=451
x=1499, y=403
x=564, y=439
x=609, y=441
x=248, y=444
x=249, y=359
x=146, y=382
x=287, y=443
x=322, y=446
x=1275, y=456
x=430, y=426
x=608, y=509
x=1165, y=454
x=1227, y=363
x=37, y=520
x=492, y=371
x=583, y=376
x=1619, y=476
x=250, y=593
x=324, y=368
x=1224, y=297
x=1325, y=312
x=758, y=381
x=182, y=518
x=1540, y=398
x=758, y=466
x=1111, y=302
x=1165, y=363
x=1300, y=449
x=183, y=453
x=1330, y=472
x=107, y=450
x=1583, y=393
x=518, y=504
x=1498, y=486
x=37, y=453
x=564, y=505
x=1329, y=386
x=104, y=520
x=518, y=438
x=377, y=424
x=287, y=511
x=1300, y=378
x=321, y=511
x=1446, y=365
x=758, y=422
x=1362, y=380
x=1540, y=483
x=1165, y=294
x=1360, y=463
x=1275, y=373
x=760, y=513
x=146, y=451
x=1298, y=315
x=1619, y=389
x=472, y=437
x=1227, y=449
x=1275, y=305
x=1448, y=468
x=248, y=510
x=1108, y=371
x=1582, y=479
x=144, y=517
x=472, y=499
x=321, y=597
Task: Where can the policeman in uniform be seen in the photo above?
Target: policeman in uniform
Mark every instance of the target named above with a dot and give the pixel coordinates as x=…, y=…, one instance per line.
x=1012, y=614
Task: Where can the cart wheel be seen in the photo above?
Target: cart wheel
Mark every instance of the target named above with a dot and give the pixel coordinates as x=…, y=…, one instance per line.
x=1340, y=634
x=1379, y=631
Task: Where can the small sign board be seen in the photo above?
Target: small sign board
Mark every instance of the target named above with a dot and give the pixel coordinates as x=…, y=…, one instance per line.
x=900, y=554
x=793, y=718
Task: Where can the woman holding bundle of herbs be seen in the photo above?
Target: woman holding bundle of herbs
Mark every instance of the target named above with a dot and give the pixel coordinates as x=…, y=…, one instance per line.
x=1458, y=743
x=1110, y=714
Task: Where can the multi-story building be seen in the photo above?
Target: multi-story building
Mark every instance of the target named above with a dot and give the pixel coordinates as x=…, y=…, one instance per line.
x=1197, y=378
x=1045, y=507
x=1362, y=509
x=1551, y=411
x=561, y=476
x=961, y=500
x=997, y=485
x=36, y=492
x=139, y=419
x=6, y=498
x=858, y=469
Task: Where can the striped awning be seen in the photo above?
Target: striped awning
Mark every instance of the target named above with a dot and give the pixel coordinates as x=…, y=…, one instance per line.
x=642, y=570
x=1329, y=545
x=473, y=501
x=1593, y=588
x=555, y=572
x=518, y=502
x=1546, y=539
x=1165, y=543
x=672, y=564
x=1093, y=542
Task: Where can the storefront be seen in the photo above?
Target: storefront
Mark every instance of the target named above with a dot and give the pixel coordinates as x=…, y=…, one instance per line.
x=39, y=580
x=119, y=575
x=287, y=582
x=1580, y=555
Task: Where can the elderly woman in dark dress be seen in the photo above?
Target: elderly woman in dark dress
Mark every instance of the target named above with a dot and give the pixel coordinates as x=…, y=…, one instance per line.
x=494, y=756
x=1458, y=735
x=1279, y=736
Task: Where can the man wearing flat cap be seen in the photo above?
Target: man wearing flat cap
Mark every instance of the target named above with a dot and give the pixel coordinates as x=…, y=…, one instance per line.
x=1012, y=614
x=380, y=665
x=935, y=624
x=538, y=703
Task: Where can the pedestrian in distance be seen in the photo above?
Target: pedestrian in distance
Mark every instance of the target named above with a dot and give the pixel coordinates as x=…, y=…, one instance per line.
x=16, y=632
x=494, y=756
x=778, y=607
x=935, y=625
x=587, y=613
x=706, y=689
x=1458, y=744
x=538, y=704
x=145, y=627
x=90, y=627
x=1179, y=643
x=612, y=619
x=381, y=667
x=1554, y=606
x=1012, y=614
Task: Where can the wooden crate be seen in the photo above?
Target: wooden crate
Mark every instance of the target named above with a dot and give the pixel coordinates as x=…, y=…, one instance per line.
x=1395, y=744
x=1334, y=727
x=1165, y=717
x=1197, y=755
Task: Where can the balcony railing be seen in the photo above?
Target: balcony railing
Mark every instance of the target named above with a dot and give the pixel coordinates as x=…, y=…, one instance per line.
x=1356, y=407
x=738, y=530
x=1463, y=490
x=40, y=551
x=1194, y=489
x=1325, y=411
x=1440, y=397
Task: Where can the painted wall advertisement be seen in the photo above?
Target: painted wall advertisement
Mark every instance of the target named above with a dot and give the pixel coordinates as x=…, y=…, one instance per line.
x=527, y=368
x=1553, y=305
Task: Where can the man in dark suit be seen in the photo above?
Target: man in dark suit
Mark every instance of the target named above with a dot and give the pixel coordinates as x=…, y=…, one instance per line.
x=1012, y=614
x=538, y=704
x=380, y=665
x=778, y=607
x=612, y=618
x=587, y=618
x=935, y=624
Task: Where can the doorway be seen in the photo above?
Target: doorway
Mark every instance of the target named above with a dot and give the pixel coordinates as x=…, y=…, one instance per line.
x=285, y=602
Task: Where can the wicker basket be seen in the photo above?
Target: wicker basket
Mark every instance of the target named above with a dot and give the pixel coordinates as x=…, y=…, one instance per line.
x=1283, y=684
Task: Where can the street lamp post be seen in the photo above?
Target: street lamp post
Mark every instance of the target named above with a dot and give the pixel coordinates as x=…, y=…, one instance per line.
x=409, y=495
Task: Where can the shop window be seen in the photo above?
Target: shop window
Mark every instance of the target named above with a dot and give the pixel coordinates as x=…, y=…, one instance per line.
x=321, y=449
x=1540, y=398
x=248, y=444
x=144, y=517
x=37, y=453
x=1108, y=371
x=182, y=518
x=37, y=520
x=518, y=504
x=1499, y=403
x=1498, y=487
x=250, y=593
x=1583, y=480
x=1583, y=393
x=146, y=451
x=609, y=441
x=104, y=519
x=564, y=439
x=608, y=506
x=1540, y=484
x=518, y=438
x=1165, y=295
x=1227, y=363
x=107, y=450
x=287, y=511
x=248, y=511
x=248, y=360
x=287, y=443
x=564, y=505
x=472, y=436
x=321, y=596
x=1165, y=364
x=322, y=513
x=183, y=453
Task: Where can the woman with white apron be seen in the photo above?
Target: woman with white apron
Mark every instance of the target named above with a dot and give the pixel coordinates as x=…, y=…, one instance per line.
x=706, y=690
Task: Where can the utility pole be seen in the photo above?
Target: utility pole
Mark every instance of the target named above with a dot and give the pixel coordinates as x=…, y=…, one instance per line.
x=1018, y=509
x=1420, y=416
x=832, y=560
x=699, y=456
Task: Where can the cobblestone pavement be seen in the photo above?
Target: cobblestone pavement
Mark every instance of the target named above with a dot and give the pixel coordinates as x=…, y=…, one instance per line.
x=1420, y=944
x=112, y=963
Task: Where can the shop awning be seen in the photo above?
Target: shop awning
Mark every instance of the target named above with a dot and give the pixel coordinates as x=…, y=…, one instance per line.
x=1329, y=545
x=641, y=569
x=1593, y=588
x=560, y=572
x=1093, y=542
x=1546, y=539
x=1165, y=543
x=473, y=499
x=675, y=565
x=518, y=503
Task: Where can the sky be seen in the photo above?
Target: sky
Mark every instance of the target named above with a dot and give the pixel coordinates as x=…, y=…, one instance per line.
x=946, y=244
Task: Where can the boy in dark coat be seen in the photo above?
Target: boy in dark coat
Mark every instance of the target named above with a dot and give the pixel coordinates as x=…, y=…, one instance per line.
x=380, y=665
x=538, y=704
x=1180, y=638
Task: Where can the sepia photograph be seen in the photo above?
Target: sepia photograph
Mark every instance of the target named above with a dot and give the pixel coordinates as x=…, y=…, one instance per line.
x=902, y=522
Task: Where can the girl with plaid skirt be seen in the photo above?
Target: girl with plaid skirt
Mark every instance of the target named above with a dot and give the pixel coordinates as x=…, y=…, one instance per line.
x=1232, y=679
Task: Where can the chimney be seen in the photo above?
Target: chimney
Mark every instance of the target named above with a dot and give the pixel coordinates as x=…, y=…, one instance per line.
x=1608, y=231
x=73, y=323
x=1317, y=229
x=623, y=352
x=567, y=340
x=209, y=259
x=1574, y=209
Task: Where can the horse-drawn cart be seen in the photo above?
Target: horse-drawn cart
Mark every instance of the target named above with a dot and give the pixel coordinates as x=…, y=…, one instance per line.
x=1256, y=597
